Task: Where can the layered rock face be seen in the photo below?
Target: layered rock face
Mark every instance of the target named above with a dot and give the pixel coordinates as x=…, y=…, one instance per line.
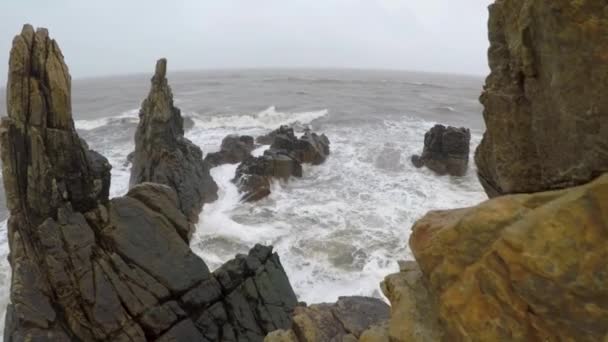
x=284, y=159
x=345, y=320
x=446, y=150
x=546, y=109
x=520, y=268
x=87, y=268
x=162, y=154
x=234, y=149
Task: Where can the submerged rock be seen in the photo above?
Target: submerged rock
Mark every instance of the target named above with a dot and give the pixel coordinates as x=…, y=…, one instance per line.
x=162, y=154
x=521, y=267
x=545, y=100
x=446, y=150
x=345, y=320
x=284, y=159
x=234, y=149
x=89, y=268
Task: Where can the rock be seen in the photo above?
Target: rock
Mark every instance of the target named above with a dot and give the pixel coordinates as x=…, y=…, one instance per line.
x=87, y=268
x=268, y=139
x=527, y=267
x=254, y=175
x=377, y=333
x=188, y=123
x=345, y=320
x=234, y=149
x=283, y=160
x=414, y=316
x=545, y=104
x=310, y=148
x=446, y=150
x=162, y=154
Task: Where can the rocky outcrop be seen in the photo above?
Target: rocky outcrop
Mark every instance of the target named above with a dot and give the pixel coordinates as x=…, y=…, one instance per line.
x=234, y=149
x=446, y=150
x=545, y=103
x=284, y=159
x=520, y=268
x=344, y=320
x=254, y=175
x=310, y=148
x=162, y=154
x=89, y=268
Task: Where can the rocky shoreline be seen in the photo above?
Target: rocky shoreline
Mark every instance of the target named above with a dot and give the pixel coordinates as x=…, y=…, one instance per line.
x=526, y=265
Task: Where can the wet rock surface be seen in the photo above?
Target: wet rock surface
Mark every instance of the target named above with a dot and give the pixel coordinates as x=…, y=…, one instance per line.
x=446, y=150
x=281, y=161
x=162, y=154
x=345, y=320
x=234, y=149
x=89, y=268
x=545, y=103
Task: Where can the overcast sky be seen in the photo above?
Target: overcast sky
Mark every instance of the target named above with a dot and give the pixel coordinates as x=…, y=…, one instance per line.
x=127, y=36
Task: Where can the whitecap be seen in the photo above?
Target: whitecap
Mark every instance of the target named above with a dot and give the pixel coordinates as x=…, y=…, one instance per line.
x=269, y=118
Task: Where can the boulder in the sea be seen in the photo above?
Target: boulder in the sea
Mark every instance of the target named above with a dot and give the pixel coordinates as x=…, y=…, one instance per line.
x=234, y=149
x=255, y=174
x=345, y=320
x=310, y=148
x=527, y=267
x=162, y=154
x=446, y=150
x=546, y=109
x=282, y=160
x=89, y=268
x=268, y=139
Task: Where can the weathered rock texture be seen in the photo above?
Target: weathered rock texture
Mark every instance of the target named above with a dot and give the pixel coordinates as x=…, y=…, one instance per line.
x=344, y=320
x=234, y=149
x=87, y=268
x=546, y=108
x=162, y=154
x=521, y=267
x=284, y=159
x=446, y=150
x=414, y=315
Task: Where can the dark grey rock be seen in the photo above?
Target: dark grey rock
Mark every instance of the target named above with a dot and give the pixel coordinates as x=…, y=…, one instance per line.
x=446, y=150
x=234, y=149
x=87, y=268
x=163, y=155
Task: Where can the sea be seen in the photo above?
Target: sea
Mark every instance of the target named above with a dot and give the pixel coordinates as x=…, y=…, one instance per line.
x=342, y=227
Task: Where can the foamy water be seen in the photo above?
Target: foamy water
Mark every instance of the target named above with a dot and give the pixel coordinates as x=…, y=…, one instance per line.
x=342, y=227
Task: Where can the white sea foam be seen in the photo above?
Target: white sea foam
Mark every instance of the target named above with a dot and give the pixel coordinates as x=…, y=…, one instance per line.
x=269, y=118
x=339, y=229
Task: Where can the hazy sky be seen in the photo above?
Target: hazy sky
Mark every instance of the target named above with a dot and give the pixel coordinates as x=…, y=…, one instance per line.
x=127, y=36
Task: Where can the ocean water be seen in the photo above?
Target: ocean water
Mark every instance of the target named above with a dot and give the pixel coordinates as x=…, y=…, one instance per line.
x=343, y=226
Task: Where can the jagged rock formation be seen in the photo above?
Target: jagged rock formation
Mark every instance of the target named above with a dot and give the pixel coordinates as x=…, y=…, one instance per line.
x=344, y=320
x=545, y=100
x=162, y=154
x=446, y=150
x=284, y=159
x=310, y=148
x=87, y=268
x=234, y=149
x=523, y=267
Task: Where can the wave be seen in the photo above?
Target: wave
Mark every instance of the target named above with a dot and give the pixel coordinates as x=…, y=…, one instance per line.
x=88, y=125
x=269, y=118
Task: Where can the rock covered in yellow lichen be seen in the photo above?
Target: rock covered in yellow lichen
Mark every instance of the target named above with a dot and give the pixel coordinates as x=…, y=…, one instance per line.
x=522, y=267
